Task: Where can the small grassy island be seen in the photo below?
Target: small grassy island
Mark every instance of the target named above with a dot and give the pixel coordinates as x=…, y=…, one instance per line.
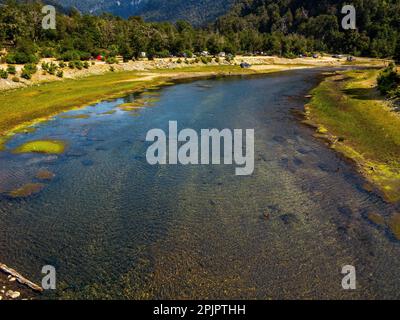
x=42, y=146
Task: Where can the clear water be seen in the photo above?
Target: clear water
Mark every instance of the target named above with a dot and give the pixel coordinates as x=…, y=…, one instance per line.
x=116, y=227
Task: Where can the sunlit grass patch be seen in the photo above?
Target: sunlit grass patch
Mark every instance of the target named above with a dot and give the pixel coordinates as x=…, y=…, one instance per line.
x=42, y=146
x=150, y=93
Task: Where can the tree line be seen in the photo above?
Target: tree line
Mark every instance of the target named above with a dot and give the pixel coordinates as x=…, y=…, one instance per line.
x=282, y=27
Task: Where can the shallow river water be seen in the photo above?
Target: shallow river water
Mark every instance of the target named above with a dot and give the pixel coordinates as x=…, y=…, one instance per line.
x=114, y=226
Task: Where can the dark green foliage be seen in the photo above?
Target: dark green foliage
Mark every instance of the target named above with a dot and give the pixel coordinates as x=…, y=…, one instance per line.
x=11, y=70
x=3, y=74
x=31, y=68
x=26, y=75
x=198, y=11
x=292, y=27
x=280, y=27
x=389, y=81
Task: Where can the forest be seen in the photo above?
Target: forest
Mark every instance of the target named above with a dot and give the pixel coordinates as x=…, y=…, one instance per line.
x=284, y=27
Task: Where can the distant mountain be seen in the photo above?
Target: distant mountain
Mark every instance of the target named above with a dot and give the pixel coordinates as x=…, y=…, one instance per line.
x=197, y=12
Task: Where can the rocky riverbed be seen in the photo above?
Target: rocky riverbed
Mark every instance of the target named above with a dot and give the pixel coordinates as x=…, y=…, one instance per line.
x=11, y=289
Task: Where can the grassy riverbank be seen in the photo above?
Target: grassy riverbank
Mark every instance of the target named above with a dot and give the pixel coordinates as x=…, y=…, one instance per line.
x=350, y=112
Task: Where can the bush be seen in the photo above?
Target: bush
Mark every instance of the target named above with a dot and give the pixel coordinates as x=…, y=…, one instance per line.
x=78, y=65
x=179, y=61
x=52, y=68
x=45, y=66
x=71, y=65
x=48, y=53
x=26, y=75
x=206, y=60
x=3, y=74
x=11, y=70
x=61, y=64
x=112, y=69
x=388, y=79
x=60, y=74
x=30, y=68
x=111, y=60
x=188, y=54
x=21, y=58
x=86, y=65
x=71, y=55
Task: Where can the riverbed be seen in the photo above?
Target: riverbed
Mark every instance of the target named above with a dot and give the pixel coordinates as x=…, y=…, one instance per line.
x=115, y=227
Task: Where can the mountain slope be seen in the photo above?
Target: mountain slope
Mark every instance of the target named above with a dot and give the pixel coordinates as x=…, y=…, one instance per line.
x=195, y=11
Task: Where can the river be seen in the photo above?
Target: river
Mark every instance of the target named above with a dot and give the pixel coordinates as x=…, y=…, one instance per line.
x=116, y=227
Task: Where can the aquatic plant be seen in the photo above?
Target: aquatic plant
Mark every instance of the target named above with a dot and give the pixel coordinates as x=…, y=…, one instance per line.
x=42, y=146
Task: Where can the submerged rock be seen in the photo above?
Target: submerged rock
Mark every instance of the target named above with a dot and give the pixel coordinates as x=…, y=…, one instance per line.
x=394, y=225
x=27, y=190
x=45, y=175
x=376, y=218
x=13, y=294
x=76, y=116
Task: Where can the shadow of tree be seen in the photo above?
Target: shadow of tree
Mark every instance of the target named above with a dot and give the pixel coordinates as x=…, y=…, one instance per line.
x=364, y=93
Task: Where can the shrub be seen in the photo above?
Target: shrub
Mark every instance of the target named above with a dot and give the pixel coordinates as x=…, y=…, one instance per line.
x=61, y=64
x=78, y=65
x=3, y=74
x=26, y=75
x=30, y=68
x=60, y=74
x=21, y=58
x=188, y=54
x=112, y=69
x=111, y=60
x=52, y=68
x=179, y=61
x=45, y=66
x=206, y=60
x=388, y=79
x=48, y=53
x=71, y=65
x=86, y=65
x=11, y=70
x=71, y=55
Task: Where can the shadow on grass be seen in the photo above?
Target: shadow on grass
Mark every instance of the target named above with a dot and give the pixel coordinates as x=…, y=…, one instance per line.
x=364, y=93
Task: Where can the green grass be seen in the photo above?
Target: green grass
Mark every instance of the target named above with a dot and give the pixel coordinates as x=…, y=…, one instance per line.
x=42, y=146
x=28, y=104
x=350, y=108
